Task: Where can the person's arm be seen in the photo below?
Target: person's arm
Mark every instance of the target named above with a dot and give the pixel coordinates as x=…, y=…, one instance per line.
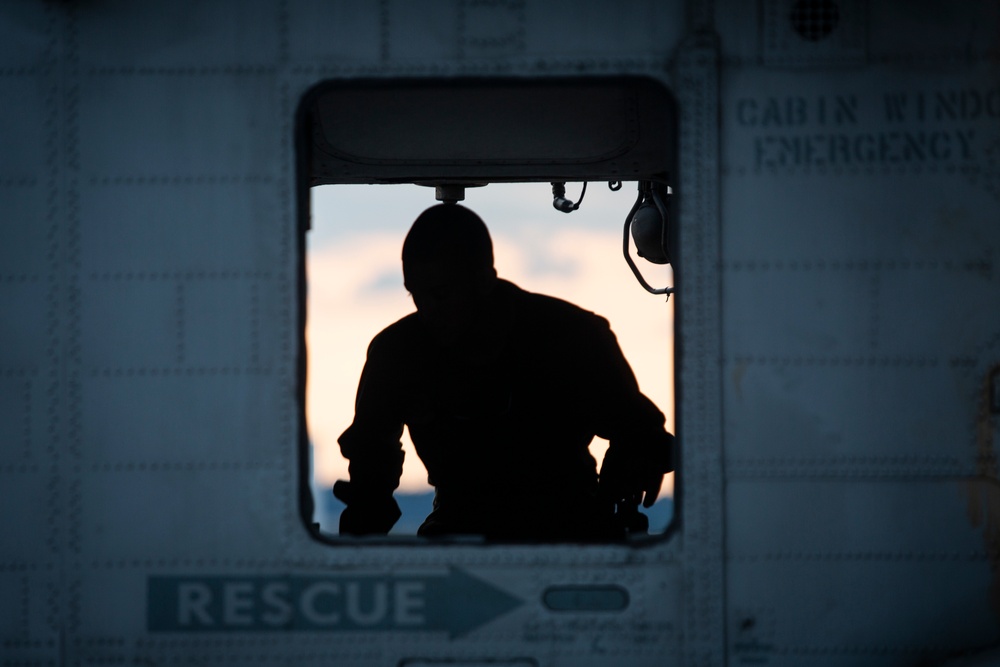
x=372, y=445
x=640, y=449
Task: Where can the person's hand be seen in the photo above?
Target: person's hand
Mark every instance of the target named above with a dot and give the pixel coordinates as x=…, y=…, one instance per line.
x=629, y=479
x=365, y=516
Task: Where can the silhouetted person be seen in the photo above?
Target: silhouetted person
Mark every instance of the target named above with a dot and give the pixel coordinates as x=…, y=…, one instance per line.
x=502, y=391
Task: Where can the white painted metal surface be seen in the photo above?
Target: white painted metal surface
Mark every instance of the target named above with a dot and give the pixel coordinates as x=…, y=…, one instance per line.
x=838, y=337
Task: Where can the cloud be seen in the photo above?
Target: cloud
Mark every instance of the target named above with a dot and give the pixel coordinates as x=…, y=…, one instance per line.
x=345, y=313
x=388, y=281
x=355, y=289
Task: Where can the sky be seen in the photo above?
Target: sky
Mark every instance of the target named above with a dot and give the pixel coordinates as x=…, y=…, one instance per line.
x=355, y=289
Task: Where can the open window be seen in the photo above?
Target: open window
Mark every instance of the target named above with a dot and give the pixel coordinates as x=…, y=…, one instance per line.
x=368, y=150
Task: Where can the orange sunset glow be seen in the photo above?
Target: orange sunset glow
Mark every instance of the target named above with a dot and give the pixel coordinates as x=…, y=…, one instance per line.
x=355, y=288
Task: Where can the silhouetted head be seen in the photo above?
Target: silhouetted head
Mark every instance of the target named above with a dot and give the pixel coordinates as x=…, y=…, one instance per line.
x=448, y=268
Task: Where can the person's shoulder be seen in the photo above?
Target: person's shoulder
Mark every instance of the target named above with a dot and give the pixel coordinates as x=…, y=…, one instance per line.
x=553, y=311
x=399, y=337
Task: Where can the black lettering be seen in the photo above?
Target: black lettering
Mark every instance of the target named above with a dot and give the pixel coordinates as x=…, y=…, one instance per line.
x=946, y=106
x=992, y=103
x=914, y=147
x=796, y=111
x=846, y=110
x=771, y=114
x=840, y=149
x=885, y=147
x=864, y=148
x=791, y=146
x=811, y=153
x=895, y=103
x=765, y=152
x=971, y=104
x=940, y=146
x=746, y=112
x=759, y=150
x=965, y=140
